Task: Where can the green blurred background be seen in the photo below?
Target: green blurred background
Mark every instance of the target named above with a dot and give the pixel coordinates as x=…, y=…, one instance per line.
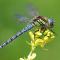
x=8, y=27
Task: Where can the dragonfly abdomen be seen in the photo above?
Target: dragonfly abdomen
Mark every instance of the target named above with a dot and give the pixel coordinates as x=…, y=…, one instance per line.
x=28, y=27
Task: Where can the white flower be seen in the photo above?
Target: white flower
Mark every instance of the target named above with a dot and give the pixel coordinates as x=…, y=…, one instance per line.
x=21, y=59
x=31, y=57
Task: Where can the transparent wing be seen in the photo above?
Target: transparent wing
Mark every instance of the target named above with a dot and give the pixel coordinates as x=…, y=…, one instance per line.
x=32, y=10
x=22, y=19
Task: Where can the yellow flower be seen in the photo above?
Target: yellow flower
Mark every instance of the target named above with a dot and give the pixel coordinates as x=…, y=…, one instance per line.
x=42, y=41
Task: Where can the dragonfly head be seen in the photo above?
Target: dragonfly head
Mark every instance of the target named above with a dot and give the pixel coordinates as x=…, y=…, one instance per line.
x=51, y=22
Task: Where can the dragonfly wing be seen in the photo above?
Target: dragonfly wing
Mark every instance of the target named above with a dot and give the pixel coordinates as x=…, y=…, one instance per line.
x=32, y=11
x=22, y=19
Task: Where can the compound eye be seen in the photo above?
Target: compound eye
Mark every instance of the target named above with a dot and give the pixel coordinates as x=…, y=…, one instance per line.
x=51, y=22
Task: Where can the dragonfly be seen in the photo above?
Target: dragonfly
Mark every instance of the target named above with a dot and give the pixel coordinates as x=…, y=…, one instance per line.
x=32, y=22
